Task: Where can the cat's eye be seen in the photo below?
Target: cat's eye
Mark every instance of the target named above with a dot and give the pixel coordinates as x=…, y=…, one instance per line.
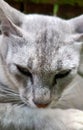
x=60, y=75
x=23, y=70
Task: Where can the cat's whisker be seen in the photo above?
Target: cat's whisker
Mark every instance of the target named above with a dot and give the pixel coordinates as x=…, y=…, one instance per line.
x=9, y=96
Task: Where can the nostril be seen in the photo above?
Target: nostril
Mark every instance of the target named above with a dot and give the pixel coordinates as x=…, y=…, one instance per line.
x=41, y=105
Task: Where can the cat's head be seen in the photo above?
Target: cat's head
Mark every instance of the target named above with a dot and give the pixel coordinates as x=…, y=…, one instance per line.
x=41, y=64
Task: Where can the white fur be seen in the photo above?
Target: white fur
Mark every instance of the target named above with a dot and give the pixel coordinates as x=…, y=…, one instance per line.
x=45, y=45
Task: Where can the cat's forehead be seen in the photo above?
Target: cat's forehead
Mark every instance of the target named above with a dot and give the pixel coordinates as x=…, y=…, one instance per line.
x=46, y=51
x=45, y=58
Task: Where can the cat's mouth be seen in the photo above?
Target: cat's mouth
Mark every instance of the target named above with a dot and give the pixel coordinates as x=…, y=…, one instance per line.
x=31, y=103
x=8, y=95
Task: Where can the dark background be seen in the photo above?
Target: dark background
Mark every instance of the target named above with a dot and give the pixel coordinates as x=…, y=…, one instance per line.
x=63, y=8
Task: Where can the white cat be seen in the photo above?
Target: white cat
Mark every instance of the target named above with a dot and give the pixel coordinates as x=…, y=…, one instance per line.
x=39, y=59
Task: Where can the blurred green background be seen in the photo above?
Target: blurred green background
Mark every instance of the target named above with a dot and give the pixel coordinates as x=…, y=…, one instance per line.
x=63, y=8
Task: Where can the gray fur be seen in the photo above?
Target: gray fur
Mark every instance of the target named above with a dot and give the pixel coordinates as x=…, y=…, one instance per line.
x=45, y=46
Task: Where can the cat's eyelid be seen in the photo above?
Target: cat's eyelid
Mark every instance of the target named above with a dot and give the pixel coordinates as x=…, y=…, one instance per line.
x=62, y=71
x=65, y=71
x=23, y=70
x=62, y=75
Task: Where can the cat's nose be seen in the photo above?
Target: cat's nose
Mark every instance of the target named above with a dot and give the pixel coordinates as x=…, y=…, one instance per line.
x=41, y=105
x=41, y=97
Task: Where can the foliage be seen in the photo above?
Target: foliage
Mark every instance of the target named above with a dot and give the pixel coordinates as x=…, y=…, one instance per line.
x=55, y=9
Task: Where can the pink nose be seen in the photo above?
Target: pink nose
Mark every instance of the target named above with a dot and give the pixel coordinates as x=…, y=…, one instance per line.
x=41, y=105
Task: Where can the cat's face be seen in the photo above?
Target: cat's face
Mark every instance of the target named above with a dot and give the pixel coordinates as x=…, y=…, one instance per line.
x=43, y=64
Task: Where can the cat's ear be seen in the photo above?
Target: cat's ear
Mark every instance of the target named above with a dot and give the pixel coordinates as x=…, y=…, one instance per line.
x=16, y=16
x=8, y=27
x=77, y=27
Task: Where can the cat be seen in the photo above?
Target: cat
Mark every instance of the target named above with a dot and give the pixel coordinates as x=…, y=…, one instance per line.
x=39, y=64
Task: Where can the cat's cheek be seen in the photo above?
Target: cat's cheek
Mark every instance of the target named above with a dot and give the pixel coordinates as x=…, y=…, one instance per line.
x=13, y=69
x=27, y=96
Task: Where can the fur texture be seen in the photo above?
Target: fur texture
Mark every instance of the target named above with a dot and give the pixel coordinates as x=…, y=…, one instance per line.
x=39, y=64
